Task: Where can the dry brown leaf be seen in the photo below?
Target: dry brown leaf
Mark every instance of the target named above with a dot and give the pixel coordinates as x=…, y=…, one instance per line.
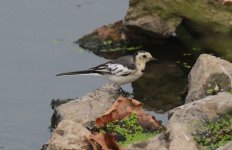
x=103, y=141
x=122, y=108
x=149, y=122
x=227, y=2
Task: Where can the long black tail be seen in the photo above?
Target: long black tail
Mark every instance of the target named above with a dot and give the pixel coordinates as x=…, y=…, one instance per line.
x=84, y=72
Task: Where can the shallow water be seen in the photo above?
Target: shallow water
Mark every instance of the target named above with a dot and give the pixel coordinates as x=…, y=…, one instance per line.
x=35, y=44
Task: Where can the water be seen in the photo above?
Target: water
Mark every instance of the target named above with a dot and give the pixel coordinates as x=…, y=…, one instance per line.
x=35, y=44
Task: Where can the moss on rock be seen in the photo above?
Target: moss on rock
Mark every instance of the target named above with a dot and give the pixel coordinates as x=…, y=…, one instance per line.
x=215, y=133
x=201, y=24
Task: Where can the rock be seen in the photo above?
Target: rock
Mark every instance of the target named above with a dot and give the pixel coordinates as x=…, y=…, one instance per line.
x=73, y=116
x=200, y=24
x=147, y=15
x=106, y=32
x=199, y=39
x=226, y=147
x=68, y=135
x=88, y=107
x=185, y=120
x=208, y=76
x=108, y=41
x=156, y=143
x=104, y=38
x=162, y=17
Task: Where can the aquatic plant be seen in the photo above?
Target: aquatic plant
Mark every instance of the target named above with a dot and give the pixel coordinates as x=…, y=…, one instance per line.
x=210, y=91
x=128, y=130
x=107, y=42
x=115, y=47
x=215, y=133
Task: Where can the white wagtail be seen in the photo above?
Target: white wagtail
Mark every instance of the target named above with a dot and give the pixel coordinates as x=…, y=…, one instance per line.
x=123, y=70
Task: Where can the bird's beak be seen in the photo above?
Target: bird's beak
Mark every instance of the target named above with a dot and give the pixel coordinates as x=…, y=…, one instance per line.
x=153, y=59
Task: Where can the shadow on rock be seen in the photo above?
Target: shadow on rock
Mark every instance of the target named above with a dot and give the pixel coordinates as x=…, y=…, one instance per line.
x=162, y=86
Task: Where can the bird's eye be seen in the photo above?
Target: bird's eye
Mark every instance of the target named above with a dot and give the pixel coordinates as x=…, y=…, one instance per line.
x=144, y=56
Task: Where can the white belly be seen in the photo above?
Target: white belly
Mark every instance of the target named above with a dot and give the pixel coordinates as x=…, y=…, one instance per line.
x=120, y=80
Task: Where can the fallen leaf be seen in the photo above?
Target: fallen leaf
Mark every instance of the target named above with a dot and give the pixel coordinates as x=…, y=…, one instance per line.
x=103, y=141
x=122, y=108
x=227, y=2
x=149, y=122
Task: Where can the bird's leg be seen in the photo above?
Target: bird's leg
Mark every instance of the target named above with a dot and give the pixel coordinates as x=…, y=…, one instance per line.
x=124, y=94
x=121, y=91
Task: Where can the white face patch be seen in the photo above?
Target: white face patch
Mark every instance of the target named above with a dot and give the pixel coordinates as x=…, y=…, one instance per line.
x=145, y=56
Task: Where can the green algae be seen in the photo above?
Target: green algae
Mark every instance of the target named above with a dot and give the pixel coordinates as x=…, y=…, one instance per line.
x=215, y=133
x=129, y=131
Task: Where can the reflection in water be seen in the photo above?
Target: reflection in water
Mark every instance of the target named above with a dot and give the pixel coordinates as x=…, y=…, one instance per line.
x=161, y=86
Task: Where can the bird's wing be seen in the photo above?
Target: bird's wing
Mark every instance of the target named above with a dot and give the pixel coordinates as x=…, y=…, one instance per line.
x=122, y=66
x=102, y=69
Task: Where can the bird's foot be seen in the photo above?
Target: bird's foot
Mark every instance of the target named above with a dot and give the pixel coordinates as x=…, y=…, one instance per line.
x=124, y=93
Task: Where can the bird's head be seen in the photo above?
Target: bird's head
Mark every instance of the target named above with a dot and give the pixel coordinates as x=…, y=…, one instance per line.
x=143, y=57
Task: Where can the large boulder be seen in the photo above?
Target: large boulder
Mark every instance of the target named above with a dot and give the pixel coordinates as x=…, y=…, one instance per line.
x=161, y=17
x=208, y=76
x=200, y=25
x=185, y=121
x=73, y=116
x=152, y=16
